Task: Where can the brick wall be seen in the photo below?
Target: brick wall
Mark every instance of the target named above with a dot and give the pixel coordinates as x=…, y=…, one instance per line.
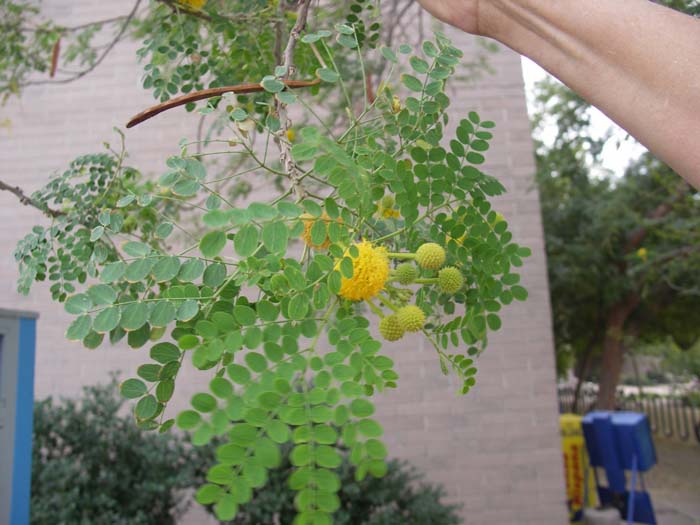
x=496, y=450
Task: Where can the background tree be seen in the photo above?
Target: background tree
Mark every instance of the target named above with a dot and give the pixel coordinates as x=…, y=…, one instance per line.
x=623, y=252
x=91, y=464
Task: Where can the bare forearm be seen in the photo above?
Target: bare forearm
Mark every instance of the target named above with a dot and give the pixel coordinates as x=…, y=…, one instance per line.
x=636, y=61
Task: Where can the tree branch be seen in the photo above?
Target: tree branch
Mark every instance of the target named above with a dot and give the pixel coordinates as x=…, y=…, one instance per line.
x=28, y=201
x=637, y=236
x=286, y=159
x=209, y=93
x=99, y=60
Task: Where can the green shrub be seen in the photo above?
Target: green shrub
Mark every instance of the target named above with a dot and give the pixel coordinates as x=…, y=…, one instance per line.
x=91, y=465
x=401, y=497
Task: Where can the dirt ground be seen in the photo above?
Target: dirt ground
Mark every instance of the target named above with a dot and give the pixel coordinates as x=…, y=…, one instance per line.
x=674, y=483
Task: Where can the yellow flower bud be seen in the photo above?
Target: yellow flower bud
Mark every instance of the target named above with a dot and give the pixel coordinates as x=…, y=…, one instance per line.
x=431, y=256
x=411, y=318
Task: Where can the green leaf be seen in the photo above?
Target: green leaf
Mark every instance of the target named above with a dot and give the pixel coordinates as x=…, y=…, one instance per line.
x=412, y=83
x=243, y=434
x=134, y=316
x=133, y=388
x=230, y=454
x=272, y=85
x=238, y=374
x=256, y=362
x=327, y=457
x=304, y=151
x=519, y=293
x=149, y=372
x=138, y=270
x=239, y=114
x=298, y=307
x=164, y=229
x=289, y=209
x=275, y=237
x=277, y=431
x=267, y=453
x=226, y=508
x=165, y=390
x=361, y=408
x=212, y=243
x=375, y=449
x=187, y=310
x=346, y=267
x=214, y=275
x=102, y=294
x=113, y=272
x=266, y=310
x=221, y=387
x=107, y=319
x=245, y=315
x=138, y=338
x=245, y=241
x=347, y=41
x=419, y=65
x=208, y=494
x=146, y=407
x=78, y=304
x=301, y=455
x=96, y=233
x=389, y=54
x=125, y=201
x=260, y=210
x=370, y=428
x=136, y=249
x=79, y=328
x=191, y=270
x=493, y=321
x=188, y=419
x=328, y=75
x=163, y=313
x=166, y=269
x=165, y=352
x=203, y=402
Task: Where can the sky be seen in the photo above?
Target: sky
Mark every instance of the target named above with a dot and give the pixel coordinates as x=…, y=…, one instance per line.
x=618, y=151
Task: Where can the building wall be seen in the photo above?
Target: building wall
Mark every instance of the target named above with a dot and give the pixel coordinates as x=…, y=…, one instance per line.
x=496, y=450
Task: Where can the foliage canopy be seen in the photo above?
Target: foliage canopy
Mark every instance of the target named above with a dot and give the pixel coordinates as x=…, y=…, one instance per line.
x=622, y=252
x=273, y=298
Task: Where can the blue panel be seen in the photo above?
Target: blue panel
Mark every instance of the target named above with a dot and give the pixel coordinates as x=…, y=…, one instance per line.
x=634, y=438
x=643, y=508
x=22, y=464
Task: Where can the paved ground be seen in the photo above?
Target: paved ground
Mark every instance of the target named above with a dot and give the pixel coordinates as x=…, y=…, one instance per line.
x=675, y=483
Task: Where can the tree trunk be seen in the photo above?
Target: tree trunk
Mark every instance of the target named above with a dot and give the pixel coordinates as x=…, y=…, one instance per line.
x=614, y=351
x=582, y=374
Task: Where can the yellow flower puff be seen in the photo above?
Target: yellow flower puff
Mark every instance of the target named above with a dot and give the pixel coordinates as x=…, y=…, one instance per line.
x=642, y=253
x=194, y=4
x=390, y=213
x=370, y=273
x=395, y=104
x=309, y=221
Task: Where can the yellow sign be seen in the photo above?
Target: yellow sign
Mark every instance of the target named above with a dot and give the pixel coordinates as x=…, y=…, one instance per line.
x=578, y=470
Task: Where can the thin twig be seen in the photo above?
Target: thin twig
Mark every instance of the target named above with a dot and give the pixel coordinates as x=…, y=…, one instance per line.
x=28, y=201
x=99, y=60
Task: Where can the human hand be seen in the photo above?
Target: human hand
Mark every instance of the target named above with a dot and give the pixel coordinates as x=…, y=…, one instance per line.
x=463, y=14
